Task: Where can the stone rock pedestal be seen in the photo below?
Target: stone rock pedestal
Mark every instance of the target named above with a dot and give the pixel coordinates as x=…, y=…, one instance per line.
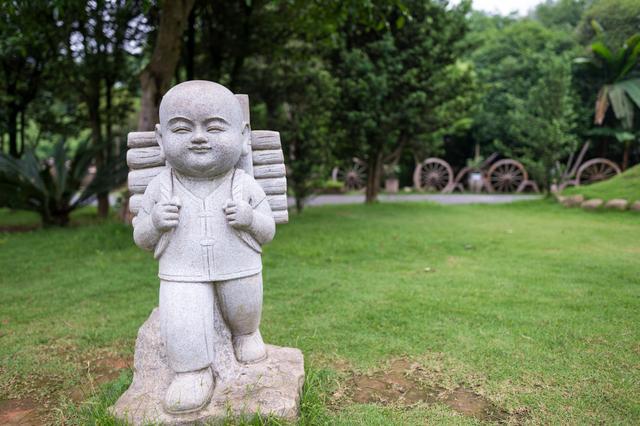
x=272, y=387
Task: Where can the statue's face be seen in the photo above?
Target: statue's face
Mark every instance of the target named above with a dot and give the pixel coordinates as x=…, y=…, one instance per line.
x=201, y=130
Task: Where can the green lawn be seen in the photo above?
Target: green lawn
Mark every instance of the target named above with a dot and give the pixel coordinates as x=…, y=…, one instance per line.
x=625, y=185
x=532, y=306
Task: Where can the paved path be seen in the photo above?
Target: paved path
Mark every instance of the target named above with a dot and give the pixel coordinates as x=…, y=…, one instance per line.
x=322, y=200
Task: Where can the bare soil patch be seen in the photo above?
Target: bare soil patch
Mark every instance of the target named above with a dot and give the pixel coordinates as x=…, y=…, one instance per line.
x=21, y=412
x=403, y=384
x=18, y=228
x=98, y=372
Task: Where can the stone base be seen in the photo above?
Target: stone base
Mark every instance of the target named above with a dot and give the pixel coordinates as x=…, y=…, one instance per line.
x=272, y=387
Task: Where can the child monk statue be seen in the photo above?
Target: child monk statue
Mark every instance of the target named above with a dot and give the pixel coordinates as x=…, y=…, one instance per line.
x=205, y=220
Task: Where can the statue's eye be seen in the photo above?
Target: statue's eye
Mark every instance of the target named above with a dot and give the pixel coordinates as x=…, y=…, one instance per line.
x=181, y=129
x=214, y=129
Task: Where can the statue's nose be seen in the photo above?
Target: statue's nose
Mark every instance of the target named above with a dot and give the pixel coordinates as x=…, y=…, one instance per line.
x=198, y=138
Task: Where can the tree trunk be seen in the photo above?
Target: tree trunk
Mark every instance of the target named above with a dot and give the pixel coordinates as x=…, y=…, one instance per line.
x=299, y=202
x=546, y=185
x=191, y=46
x=22, y=145
x=95, y=121
x=241, y=53
x=58, y=219
x=108, y=115
x=374, y=177
x=625, y=156
x=13, y=133
x=156, y=77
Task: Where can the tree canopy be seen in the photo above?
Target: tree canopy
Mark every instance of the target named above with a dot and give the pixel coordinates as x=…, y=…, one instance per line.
x=390, y=82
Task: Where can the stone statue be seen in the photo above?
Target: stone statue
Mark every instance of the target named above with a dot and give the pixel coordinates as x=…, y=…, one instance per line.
x=205, y=218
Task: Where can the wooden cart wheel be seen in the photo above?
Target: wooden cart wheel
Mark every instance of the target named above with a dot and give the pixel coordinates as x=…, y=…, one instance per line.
x=506, y=176
x=354, y=178
x=460, y=181
x=433, y=174
x=567, y=184
x=596, y=170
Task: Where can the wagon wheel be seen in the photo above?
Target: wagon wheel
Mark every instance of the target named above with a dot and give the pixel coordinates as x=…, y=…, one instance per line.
x=506, y=176
x=433, y=174
x=596, y=170
x=460, y=181
x=355, y=177
x=567, y=184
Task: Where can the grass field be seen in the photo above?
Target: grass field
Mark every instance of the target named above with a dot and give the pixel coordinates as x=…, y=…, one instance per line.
x=530, y=311
x=625, y=185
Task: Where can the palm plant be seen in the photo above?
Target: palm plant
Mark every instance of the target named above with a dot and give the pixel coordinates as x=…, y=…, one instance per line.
x=56, y=186
x=619, y=79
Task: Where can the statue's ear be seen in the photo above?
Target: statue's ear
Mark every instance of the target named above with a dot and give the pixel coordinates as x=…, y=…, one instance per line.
x=246, y=138
x=159, y=137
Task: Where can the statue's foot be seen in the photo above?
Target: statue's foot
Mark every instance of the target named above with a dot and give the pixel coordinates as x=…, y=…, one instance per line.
x=249, y=348
x=189, y=391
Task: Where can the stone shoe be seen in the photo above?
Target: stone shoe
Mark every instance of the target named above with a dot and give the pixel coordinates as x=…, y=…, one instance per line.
x=249, y=348
x=189, y=391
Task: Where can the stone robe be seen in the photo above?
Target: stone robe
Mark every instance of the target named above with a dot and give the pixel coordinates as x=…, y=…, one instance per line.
x=204, y=247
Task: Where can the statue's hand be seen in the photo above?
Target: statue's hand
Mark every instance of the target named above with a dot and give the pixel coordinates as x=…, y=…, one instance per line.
x=165, y=215
x=239, y=214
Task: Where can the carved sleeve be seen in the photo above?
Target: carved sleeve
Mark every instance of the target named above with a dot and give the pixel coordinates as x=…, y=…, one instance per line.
x=145, y=235
x=263, y=227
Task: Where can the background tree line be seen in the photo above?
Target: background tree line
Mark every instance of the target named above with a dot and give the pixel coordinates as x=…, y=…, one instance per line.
x=389, y=82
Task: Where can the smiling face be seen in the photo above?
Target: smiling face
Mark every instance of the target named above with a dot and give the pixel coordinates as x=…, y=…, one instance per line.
x=201, y=130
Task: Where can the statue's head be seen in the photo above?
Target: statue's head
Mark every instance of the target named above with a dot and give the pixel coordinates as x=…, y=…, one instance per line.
x=201, y=130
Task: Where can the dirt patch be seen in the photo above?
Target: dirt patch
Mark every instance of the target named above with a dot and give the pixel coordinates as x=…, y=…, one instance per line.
x=396, y=385
x=471, y=404
x=18, y=228
x=21, y=412
x=97, y=372
x=403, y=384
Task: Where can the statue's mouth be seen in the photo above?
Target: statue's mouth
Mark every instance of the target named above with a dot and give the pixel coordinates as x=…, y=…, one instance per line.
x=200, y=148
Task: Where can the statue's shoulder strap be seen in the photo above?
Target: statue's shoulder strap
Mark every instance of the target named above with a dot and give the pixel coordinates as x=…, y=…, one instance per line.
x=237, y=185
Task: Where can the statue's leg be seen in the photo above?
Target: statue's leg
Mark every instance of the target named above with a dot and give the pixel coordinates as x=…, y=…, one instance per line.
x=186, y=323
x=241, y=306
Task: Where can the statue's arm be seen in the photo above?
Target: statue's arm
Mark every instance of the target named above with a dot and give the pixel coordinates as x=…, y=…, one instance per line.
x=263, y=226
x=145, y=234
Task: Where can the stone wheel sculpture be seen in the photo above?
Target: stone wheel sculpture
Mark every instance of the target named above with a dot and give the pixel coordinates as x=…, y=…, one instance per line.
x=506, y=176
x=354, y=177
x=433, y=174
x=596, y=170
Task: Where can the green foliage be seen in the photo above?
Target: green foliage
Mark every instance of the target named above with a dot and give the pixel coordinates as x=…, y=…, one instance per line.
x=560, y=13
x=227, y=36
x=56, y=186
x=29, y=44
x=615, y=71
x=277, y=52
x=543, y=123
x=453, y=98
x=512, y=57
x=403, y=88
x=302, y=96
x=620, y=19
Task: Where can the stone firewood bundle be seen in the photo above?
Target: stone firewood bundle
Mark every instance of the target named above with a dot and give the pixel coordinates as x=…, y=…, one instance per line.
x=265, y=162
